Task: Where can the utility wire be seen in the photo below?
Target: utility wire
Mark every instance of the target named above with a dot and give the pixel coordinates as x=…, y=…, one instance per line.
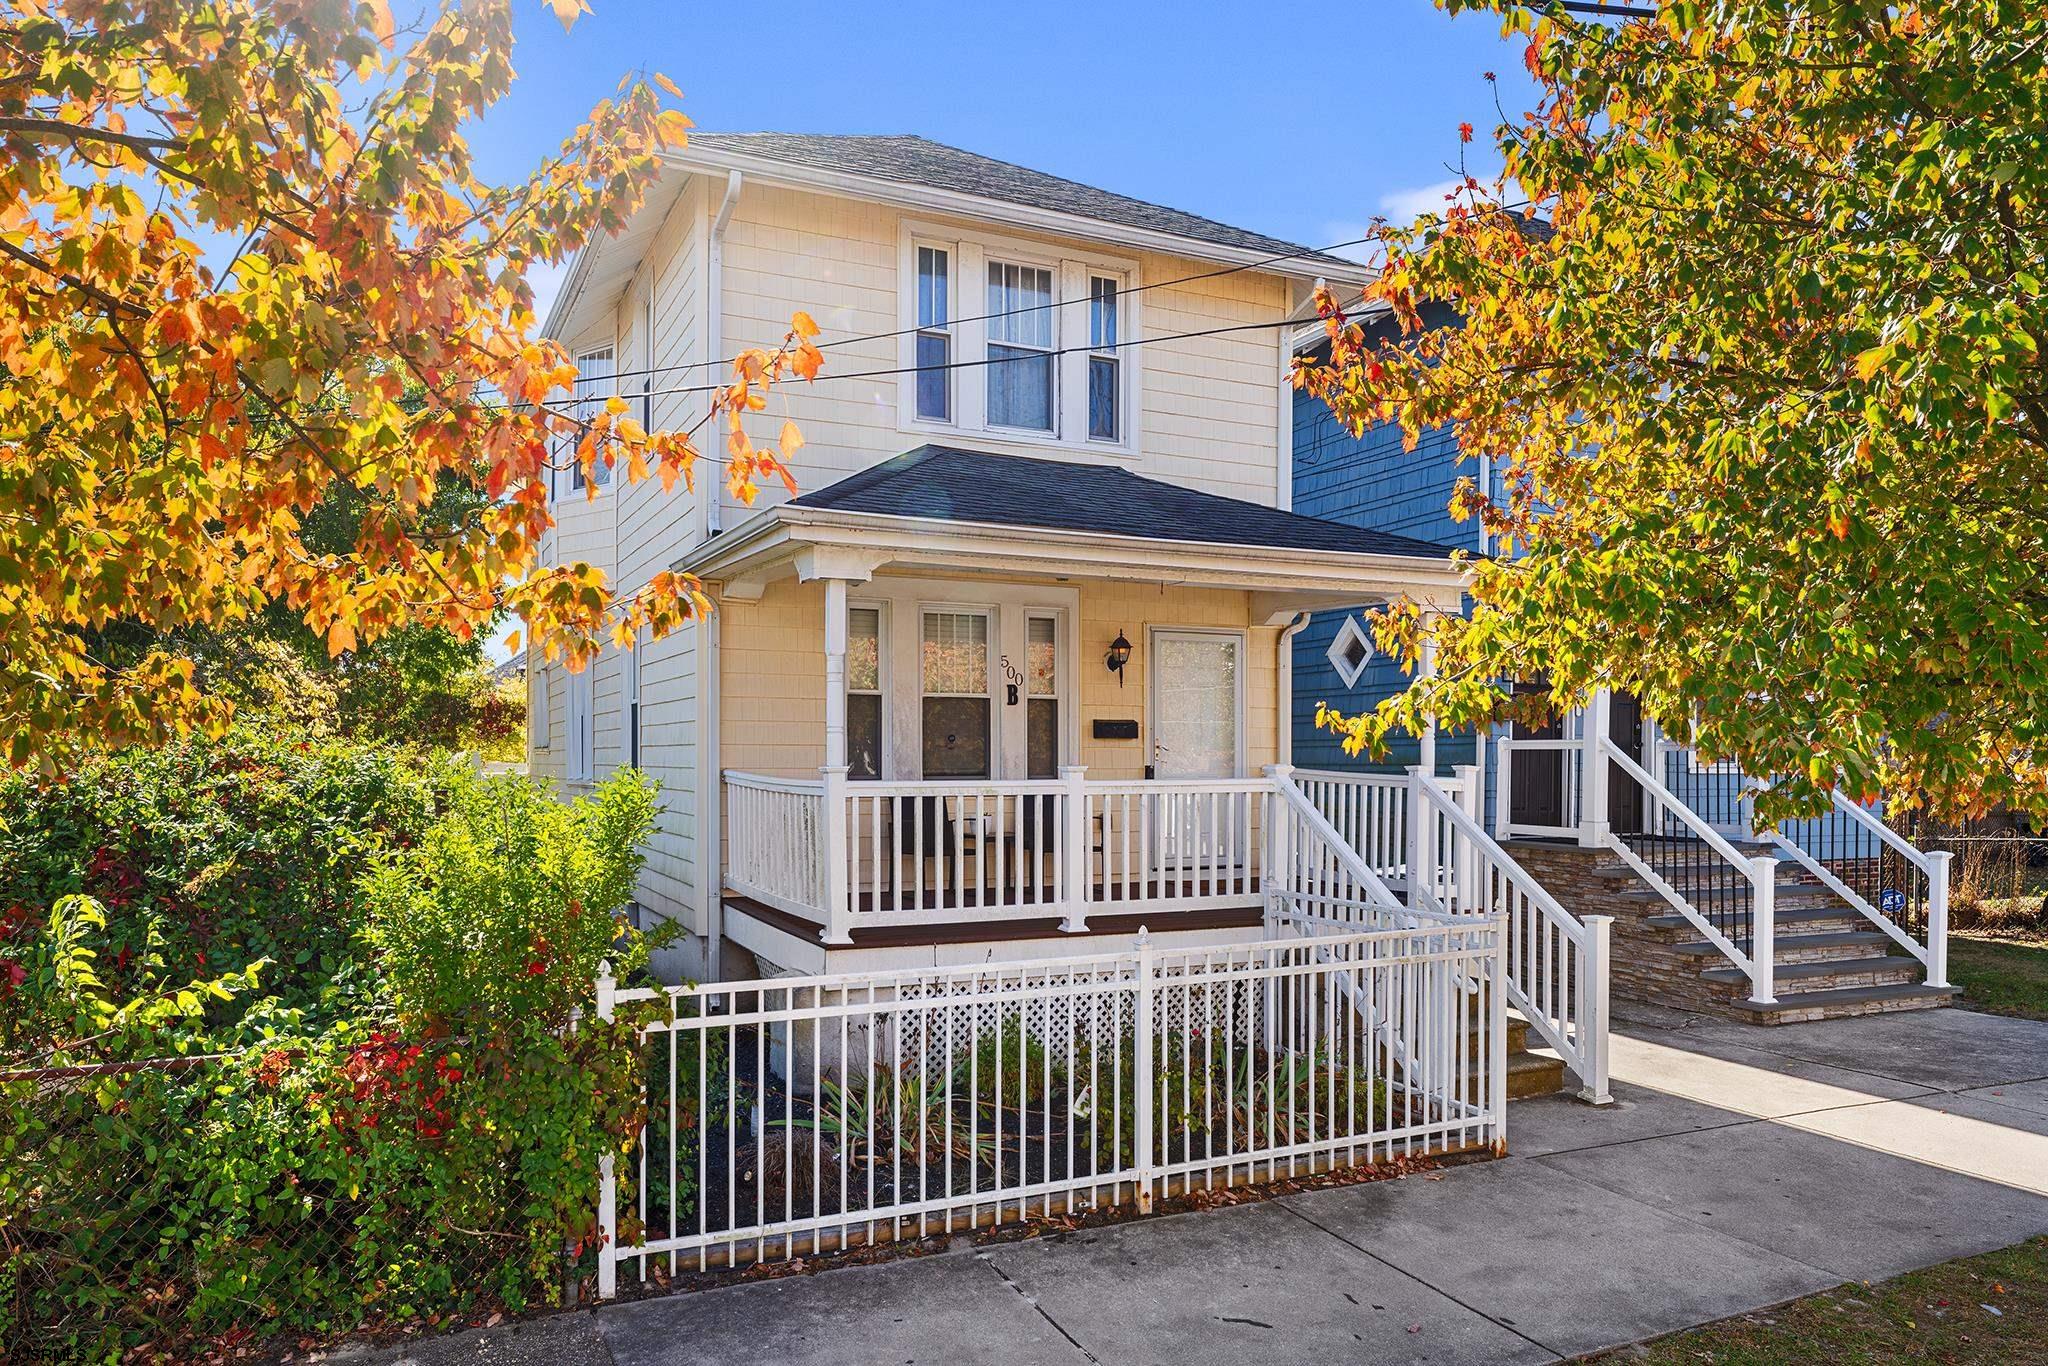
x=1118, y=349
x=1006, y=313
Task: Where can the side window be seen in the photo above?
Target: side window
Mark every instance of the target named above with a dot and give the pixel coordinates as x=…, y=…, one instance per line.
x=934, y=335
x=537, y=718
x=864, y=692
x=582, y=730
x=1105, y=373
x=1042, y=700
x=631, y=683
x=593, y=387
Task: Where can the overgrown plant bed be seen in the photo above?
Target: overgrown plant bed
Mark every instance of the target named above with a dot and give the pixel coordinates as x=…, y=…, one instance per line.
x=1012, y=1132
x=204, y=1149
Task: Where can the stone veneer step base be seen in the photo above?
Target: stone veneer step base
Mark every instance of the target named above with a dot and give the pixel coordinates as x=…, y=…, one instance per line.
x=1832, y=962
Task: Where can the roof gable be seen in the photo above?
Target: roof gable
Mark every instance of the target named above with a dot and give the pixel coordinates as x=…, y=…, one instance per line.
x=911, y=160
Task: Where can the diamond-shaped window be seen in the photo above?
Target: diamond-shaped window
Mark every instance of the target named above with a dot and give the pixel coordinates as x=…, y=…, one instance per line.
x=1350, y=652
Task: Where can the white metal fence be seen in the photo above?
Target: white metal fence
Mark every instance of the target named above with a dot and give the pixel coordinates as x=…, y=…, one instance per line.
x=808, y=1115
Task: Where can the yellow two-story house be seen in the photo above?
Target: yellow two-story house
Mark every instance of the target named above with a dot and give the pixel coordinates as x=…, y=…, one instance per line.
x=1011, y=667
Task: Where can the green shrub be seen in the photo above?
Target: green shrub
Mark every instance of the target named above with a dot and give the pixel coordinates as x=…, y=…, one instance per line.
x=506, y=907
x=431, y=1150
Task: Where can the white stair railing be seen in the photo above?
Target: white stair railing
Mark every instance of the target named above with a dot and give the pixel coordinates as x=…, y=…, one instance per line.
x=1900, y=889
x=1727, y=895
x=1310, y=858
x=1557, y=964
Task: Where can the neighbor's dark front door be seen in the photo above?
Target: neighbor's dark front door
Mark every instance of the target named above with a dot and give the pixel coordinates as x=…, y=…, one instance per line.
x=1537, y=795
x=1624, y=794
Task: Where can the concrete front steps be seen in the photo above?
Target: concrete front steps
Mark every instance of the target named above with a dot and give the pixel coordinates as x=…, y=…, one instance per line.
x=1529, y=1073
x=1831, y=961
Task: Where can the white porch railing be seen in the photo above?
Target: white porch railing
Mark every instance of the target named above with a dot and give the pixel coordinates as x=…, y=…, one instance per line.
x=774, y=836
x=960, y=851
x=805, y=1116
x=846, y=855
x=1367, y=811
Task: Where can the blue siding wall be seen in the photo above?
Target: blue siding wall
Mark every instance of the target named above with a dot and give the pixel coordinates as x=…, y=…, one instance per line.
x=1367, y=481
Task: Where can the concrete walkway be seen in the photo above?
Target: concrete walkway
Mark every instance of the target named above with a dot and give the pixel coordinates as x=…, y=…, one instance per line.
x=1740, y=1168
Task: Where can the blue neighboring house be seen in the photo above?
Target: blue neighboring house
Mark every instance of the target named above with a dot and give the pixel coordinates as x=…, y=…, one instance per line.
x=1367, y=481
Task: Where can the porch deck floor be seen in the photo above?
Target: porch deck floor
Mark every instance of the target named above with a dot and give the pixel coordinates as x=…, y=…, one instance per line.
x=1110, y=919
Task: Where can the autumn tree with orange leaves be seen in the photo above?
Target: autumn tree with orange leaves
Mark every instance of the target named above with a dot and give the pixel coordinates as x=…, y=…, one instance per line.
x=246, y=261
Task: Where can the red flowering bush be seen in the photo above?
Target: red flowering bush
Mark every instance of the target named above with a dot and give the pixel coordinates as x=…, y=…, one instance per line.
x=424, y=1143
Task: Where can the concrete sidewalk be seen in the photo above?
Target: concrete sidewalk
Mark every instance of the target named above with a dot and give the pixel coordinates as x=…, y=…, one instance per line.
x=1740, y=1167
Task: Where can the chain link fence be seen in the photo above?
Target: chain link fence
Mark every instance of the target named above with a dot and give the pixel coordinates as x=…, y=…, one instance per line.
x=168, y=1208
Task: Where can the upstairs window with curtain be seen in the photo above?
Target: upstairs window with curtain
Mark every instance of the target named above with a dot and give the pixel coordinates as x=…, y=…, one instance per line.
x=593, y=387
x=1042, y=700
x=864, y=693
x=1020, y=347
x=934, y=335
x=1105, y=377
x=955, y=704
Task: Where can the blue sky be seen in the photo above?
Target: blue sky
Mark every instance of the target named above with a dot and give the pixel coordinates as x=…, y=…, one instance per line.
x=1302, y=124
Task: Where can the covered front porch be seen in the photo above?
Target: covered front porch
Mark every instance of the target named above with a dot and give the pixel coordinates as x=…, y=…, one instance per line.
x=966, y=696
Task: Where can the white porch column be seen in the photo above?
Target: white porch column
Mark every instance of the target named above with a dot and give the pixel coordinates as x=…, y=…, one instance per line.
x=1075, y=846
x=1425, y=758
x=1593, y=770
x=832, y=820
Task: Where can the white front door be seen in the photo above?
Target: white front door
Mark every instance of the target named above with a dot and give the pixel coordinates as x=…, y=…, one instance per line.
x=1197, y=732
x=1197, y=704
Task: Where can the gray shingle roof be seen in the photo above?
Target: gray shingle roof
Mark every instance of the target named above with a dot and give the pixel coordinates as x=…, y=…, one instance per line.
x=912, y=160
x=1013, y=490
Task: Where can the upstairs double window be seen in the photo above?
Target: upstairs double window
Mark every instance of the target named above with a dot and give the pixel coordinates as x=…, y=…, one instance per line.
x=1020, y=341
x=1021, y=346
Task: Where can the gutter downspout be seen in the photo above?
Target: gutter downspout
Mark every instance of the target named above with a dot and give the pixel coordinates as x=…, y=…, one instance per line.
x=710, y=775
x=711, y=802
x=1286, y=688
x=714, y=312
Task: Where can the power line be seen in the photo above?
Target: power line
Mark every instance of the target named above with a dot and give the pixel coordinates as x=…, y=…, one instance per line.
x=1119, y=348
x=1006, y=313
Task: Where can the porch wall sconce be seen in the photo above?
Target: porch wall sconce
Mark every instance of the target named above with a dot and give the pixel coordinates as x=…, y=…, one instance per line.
x=1118, y=656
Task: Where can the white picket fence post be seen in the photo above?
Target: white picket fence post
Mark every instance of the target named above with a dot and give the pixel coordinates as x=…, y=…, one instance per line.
x=1763, y=880
x=607, y=1171
x=1143, y=1092
x=1937, y=917
x=1074, y=848
x=1591, y=1009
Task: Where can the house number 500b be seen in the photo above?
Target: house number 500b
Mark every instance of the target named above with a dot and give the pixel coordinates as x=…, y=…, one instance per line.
x=1012, y=682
